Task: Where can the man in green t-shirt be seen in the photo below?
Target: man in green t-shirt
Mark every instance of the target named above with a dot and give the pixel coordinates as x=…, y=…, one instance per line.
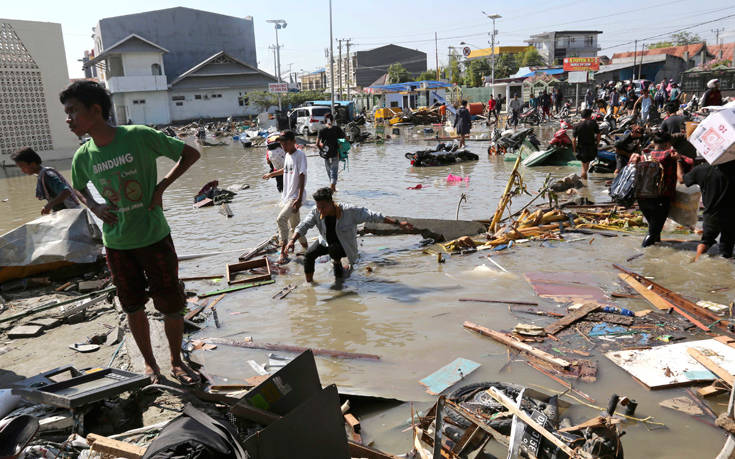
x=121, y=164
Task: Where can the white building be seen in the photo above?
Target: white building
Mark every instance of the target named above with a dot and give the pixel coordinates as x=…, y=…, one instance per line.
x=177, y=64
x=32, y=74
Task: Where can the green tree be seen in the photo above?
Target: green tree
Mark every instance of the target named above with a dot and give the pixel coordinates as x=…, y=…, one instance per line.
x=685, y=38
x=264, y=99
x=427, y=75
x=660, y=44
x=397, y=73
x=506, y=65
x=531, y=57
x=451, y=72
x=475, y=71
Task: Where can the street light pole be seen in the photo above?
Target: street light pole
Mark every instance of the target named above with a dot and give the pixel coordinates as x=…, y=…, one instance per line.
x=492, y=53
x=278, y=24
x=331, y=57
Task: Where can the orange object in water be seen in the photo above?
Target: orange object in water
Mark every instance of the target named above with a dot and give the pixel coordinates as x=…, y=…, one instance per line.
x=476, y=108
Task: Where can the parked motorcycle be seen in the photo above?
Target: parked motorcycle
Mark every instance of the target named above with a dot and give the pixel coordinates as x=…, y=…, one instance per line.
x=530, y=116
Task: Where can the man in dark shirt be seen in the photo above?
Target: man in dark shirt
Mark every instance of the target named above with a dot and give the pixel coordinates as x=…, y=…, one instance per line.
x=673, y=124
x=630, y=143
x=585, y=141
x=718, y=197
x=328, y=143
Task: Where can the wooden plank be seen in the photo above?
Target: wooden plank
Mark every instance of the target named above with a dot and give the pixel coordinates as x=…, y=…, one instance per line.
x=570, y=318
x=352, y=422
x=291, y=348
x=482, y=424
x=357, y=450
x=711, y=366
x=236, y=289
x=448, y=375
x=479, y=300
x=659, y=301
x=510, y=406
x=710, y=390
x=682, y=304
x=598, y=421
x=726, y=340
x=194, y=312
x=508, y=341
x=562, y=382
x=196, y=278
x=115, y=448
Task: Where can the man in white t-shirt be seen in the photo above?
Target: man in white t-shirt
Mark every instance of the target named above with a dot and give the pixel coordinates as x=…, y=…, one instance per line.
x=294, y=183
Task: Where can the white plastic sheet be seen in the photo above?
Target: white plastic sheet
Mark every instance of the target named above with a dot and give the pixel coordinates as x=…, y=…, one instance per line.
x=67, y=235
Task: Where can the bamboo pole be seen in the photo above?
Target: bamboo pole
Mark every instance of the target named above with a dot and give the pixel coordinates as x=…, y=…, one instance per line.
x=506, y=196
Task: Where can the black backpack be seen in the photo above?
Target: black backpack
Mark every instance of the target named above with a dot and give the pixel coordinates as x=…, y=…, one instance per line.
x=195, y=435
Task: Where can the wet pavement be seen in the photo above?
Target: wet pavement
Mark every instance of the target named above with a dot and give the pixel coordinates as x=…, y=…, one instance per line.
x=407, y=310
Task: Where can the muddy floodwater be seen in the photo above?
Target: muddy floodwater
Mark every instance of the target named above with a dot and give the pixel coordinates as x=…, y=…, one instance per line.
x=406, y=310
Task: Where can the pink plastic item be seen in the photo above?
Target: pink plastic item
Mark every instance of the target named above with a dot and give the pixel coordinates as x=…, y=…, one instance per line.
x=457, y=178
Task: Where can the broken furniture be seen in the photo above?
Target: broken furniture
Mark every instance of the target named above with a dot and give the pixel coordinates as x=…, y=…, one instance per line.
x=82, y=388
x=234, y=268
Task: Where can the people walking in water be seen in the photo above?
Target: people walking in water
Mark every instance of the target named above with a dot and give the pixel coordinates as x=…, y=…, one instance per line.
x=337, y=225
x=294, y=183
x=50, y=186
x=328, y=144
x=515, y=108
x=585, y=141
x=462, y=123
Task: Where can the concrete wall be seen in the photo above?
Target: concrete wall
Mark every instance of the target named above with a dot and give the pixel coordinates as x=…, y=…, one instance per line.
x=209, y=105
x=139, y=64
x=44, y=42
x=190, y=35
x=149, y=107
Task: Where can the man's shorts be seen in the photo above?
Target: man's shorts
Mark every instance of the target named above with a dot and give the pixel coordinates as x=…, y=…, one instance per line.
x=151, y=271
x=586, y=153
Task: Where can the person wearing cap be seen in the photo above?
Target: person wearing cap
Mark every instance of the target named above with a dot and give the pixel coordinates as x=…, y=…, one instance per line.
x=294, y=183
x=274, y=158
x=712, y=95
x=337, y=225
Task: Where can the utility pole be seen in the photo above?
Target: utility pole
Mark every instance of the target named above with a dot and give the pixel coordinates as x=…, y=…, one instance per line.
x=349, y=75
x=339, y=67
x=640, y=64
x=331, y=57
x=717, y=35
x=493, y=33
x=635, y=55
x=436, y=51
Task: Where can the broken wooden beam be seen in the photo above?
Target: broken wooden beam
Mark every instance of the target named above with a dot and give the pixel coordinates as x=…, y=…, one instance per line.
x=238, y=288
x=510, y=406
x=52, y=305
x=479, y=300
x=352, y=422
x=114, y=448
x=508, y=341
x=567, y=320
x=711, y=365
x=290, y=348
x=658, y=301
x=562, y=382
x=682, y=304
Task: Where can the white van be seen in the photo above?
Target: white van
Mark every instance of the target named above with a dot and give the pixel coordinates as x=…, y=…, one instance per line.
x=308, y=120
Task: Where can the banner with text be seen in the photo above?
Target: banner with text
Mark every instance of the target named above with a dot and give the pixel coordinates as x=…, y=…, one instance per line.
x=278, y=87
x=581, y=64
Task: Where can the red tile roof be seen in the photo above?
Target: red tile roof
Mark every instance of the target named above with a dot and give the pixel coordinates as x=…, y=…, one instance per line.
x=677, y=51
x=728, y=51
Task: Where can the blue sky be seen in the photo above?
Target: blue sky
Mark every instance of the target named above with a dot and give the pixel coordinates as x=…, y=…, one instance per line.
x=373, y=23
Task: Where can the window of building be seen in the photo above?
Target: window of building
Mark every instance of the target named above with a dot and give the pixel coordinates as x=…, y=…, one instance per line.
x=155, y=69
x=179, y=104
x=589, y=40
x=197, y=96
x=178, y=98
x=139, y=101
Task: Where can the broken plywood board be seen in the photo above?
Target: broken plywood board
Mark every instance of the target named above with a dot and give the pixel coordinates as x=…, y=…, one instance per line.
x=570, y=318
x=566, y=287
x=671, y=365
x=683, y=404
x=448, y=375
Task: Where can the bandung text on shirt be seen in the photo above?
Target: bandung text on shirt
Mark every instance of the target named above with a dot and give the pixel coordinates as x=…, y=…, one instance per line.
x=127, y=158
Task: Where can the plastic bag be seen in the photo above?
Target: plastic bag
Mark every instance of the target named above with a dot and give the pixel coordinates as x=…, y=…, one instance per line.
x=622, y=189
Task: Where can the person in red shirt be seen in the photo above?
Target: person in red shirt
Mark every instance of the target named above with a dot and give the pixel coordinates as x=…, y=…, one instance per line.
x=656, y=210
x=491, y=104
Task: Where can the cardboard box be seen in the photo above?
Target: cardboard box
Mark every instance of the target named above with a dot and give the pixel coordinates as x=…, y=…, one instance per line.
x=714, y=138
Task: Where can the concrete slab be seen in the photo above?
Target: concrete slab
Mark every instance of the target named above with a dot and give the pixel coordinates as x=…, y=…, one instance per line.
x=436, y=229
x=45, y=322
x=92, y=285
x=25, y=331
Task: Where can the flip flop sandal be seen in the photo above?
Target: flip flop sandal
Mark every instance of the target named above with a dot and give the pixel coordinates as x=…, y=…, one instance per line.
x=186, y=378
x=81, y=347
